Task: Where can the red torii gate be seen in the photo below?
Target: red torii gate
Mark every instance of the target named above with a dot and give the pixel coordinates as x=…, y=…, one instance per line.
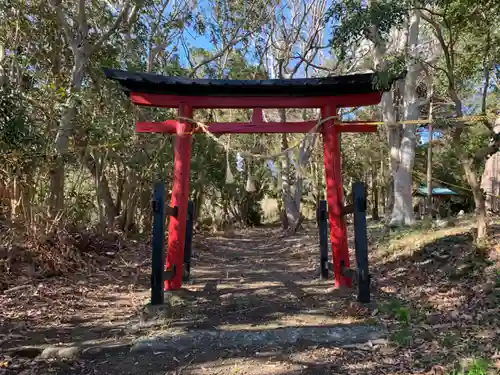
x=328, y=94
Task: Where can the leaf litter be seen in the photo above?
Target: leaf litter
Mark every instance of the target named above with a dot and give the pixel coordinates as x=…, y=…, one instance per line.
x=439, y=303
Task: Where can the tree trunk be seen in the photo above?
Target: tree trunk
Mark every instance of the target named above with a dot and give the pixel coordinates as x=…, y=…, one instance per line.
x=472, y=179
x=381, y=183
x=28, y=195
x=374, y=191
x=15, y=198
x=102, y=189
x=468, y=166
x=402, y=150
x=199, y=198
x=291, y=214
x=3, y=75
x=120, y=184
x=127, y=215
x=393, y=134
x=402, y=212
x=145, y=208
x=57, y=168
x=317, y=188
x=56, y=186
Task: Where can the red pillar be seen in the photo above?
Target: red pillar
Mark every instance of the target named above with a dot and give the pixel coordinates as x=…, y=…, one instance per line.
x=334, y=196
x=180, y=195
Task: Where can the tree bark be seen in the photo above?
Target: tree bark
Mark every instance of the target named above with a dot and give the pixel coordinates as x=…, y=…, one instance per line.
x=402, y=211
x=388, y=114
x=127, y=215
x=467, y=162
x=102, y=189
x=472, y=178
x=120, y=185
x=57, y=169
x=374, y=191
x=145, y=209
x=291, y=214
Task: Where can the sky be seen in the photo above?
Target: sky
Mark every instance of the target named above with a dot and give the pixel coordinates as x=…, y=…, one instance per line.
x=424, y=135
x=203, y=41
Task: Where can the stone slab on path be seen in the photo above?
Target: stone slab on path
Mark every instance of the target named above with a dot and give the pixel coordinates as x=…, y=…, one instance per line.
x=342, y=335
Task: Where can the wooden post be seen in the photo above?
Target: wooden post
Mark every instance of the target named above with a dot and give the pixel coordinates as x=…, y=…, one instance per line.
x=188, y=242
x=334, y=192
x=158, y=244
x=323, y=238
x=180, y=195
x=361, y=241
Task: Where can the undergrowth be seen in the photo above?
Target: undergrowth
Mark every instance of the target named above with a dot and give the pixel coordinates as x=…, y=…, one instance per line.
x=439, y=298
x=477, y=366
x=25, y=256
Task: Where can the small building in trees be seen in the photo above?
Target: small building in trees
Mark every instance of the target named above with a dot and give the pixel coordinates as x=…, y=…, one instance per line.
x=442, y=202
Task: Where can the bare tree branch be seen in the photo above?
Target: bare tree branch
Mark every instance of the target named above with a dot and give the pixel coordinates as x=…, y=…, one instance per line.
x=233, y=40
x=63, y=23
x=83, y=26
x=486, y=68
x=309, y=63
x=221, y=52
x=439, y=35
x=153, y=51
x=187, y=52
x=430, y=87
x=105, y=36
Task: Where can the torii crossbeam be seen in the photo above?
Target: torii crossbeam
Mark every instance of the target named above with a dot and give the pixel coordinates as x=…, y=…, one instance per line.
x=328, y=94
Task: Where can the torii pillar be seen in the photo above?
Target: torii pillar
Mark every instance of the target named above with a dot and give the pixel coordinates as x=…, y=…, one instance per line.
x=332, y=157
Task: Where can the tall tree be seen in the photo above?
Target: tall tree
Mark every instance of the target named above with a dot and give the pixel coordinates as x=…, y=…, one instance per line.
x=85, y=27
x=296, y=36
x=393, y=30
x=461, y=25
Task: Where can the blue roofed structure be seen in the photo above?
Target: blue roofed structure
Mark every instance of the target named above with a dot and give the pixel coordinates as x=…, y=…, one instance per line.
x=437, y=191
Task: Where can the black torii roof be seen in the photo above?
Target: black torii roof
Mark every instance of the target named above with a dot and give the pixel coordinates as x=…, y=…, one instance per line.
x=159, y=84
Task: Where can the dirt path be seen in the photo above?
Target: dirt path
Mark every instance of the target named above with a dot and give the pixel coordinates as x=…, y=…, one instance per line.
x=255, y=306
x=254, y=281
x=259, y=278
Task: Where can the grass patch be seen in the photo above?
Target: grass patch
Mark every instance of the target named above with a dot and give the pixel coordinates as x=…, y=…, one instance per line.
x=478, y=366
x=402, y=337
x=397, y=310
x=406, y=241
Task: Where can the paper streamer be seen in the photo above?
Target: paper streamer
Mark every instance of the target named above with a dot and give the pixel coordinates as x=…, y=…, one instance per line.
x=240, y=162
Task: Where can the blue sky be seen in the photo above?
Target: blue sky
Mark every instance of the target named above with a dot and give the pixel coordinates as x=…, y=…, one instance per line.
x=424, y=135
x=203, y=41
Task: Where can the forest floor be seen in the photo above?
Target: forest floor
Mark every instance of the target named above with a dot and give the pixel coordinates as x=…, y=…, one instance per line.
x=255, y=305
